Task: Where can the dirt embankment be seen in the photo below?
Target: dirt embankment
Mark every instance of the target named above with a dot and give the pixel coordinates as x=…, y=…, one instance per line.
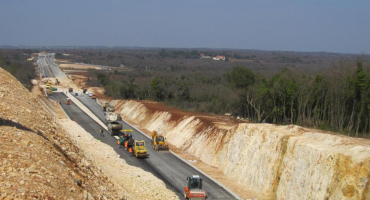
x=40, y=159
x=278, y=162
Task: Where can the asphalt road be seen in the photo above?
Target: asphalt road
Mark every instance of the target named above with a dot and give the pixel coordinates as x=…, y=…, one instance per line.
x=44, y=68
x=163, y=165
x=54, y=68
x=48, y=67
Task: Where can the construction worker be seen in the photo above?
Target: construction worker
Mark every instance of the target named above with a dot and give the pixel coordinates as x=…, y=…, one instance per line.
x=101, y=132
x=120, y=142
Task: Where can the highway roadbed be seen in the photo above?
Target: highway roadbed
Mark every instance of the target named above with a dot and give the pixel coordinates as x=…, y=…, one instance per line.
x=168, y=167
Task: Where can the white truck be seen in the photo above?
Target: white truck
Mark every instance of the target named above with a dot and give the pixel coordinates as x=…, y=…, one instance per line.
x=110, y=117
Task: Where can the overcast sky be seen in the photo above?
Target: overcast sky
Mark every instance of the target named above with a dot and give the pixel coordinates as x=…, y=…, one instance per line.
x=294, y=25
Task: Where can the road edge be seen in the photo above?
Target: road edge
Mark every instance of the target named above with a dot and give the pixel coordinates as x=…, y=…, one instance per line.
x=205, y=174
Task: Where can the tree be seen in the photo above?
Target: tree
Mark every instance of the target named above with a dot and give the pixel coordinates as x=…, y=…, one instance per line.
x=362, y=85
x=157, y=87
x=240, y=77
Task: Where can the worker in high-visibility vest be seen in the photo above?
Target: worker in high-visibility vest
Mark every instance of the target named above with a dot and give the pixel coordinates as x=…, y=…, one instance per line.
x=126, y=145
x=120, y=142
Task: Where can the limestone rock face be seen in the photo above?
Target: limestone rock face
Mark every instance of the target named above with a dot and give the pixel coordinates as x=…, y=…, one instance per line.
x=280, y=162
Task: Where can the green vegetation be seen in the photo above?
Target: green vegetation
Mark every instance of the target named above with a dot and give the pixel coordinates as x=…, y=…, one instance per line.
x=15, y=62
x=320, y=90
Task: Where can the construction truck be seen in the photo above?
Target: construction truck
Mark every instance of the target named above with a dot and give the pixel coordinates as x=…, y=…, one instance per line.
x=194, y=188
x=110, y=117
x=110, y=108
x=68, y=101
x=139, y=149
x=114, y=128
x=104, y=105
x=158, y=142
x=93, y=96
x=119, y=118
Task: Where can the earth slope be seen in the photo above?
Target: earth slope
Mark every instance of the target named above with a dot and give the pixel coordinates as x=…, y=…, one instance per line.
x=41, y=159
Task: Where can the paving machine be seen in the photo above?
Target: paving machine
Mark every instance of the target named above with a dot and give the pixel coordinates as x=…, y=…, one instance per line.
x=194, y=189
x=128, y=141
x=158, y=142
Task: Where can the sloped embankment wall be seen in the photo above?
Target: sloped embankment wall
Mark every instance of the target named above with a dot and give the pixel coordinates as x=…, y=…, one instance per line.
x=281, y=162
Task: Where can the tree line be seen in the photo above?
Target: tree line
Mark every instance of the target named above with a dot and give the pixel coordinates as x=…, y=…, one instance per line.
x=338, y=99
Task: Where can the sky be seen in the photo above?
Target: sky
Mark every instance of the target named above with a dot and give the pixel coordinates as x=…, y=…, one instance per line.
x=341, y=26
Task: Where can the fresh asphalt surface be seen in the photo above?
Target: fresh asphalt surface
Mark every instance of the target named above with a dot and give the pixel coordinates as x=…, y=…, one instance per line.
x=165, y=166
x=49, y=69
x=44, y=67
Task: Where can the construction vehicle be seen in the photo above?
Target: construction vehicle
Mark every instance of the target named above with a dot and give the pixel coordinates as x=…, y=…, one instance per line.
x=48, y=84
x=70, y=89
x=104, y=105
x=68, y=101
x=158, y=142
x=54, y=88
x=194, y=188
x=93, y=96
x=110, y=108
x=114, y=128
x=128, y=141
x=110, y=117
x=139, y=149
x=126, y=132
x=119, y=118
x=57, y=81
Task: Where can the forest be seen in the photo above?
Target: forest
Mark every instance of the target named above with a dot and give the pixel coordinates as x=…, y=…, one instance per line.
x=319, y=90
x=328, y=91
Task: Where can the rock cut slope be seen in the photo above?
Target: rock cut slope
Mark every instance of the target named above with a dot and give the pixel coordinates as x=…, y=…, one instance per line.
x=279, y=162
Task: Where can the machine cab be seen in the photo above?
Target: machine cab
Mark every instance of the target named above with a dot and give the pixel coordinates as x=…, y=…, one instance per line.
x=194, y=182
x=159, y=139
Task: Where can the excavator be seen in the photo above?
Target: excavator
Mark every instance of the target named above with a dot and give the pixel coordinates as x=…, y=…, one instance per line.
x=158, y=142
x=194, y=189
